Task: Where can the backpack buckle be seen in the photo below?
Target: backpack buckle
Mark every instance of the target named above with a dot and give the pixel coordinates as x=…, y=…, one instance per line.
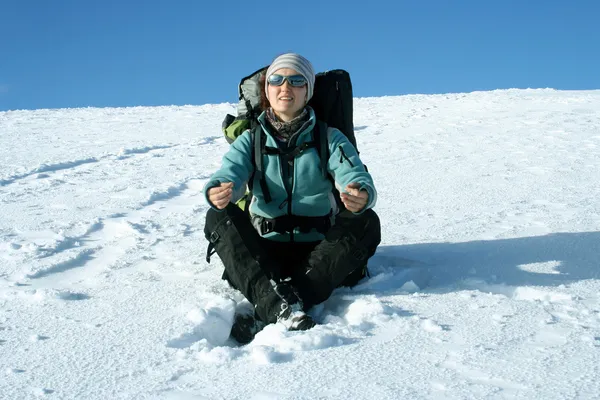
x=267, y=226
x=359, y=253
x=214, y=237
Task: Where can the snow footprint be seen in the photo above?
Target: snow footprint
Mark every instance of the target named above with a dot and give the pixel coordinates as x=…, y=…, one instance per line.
x=432, y=327
x=43, y=295
x=40, y=392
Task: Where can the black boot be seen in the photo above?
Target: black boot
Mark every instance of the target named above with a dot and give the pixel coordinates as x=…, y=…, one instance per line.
x=245, y=327
x=291, y=314
x=287, y=309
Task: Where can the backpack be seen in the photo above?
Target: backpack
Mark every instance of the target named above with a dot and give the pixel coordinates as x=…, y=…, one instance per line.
x=332, y=102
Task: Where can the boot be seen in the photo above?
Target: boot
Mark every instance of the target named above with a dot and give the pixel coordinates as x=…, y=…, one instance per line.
x=286, y=308
x=245, y=327
x=291, y=313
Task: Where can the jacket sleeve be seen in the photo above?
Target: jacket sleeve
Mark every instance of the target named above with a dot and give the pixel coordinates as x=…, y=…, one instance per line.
x=236, y=167
x=346, y=166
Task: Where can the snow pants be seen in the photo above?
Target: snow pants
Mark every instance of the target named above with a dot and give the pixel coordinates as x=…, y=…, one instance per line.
x=253, y=264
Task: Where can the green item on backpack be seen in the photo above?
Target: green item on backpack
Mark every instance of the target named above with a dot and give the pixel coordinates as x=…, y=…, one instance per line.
x=236, y=128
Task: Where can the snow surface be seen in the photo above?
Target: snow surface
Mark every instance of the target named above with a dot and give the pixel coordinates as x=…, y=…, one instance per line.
x=486, y=284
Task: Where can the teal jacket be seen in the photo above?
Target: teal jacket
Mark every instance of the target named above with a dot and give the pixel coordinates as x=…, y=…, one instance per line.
x=311, y=192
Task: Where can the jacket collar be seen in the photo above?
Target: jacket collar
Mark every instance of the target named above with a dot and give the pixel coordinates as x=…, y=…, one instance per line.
x=308, y=127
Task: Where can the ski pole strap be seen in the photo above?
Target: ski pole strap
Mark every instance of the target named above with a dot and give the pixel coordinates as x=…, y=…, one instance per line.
x=289, y=223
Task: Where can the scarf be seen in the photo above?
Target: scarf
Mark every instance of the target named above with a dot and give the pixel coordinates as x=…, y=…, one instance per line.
x=285, y=130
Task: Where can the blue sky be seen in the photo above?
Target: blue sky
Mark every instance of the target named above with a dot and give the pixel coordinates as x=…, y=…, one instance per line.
x=73, y=53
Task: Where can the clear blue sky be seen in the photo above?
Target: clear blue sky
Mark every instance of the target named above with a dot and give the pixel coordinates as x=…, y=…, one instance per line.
x=78, y=53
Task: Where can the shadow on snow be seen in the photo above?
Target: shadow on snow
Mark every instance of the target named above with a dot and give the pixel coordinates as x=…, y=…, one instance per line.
x=549, y=260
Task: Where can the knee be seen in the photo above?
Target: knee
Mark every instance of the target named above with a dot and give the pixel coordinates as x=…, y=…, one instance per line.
x=212, y=220
x=216, y=217
x=365, y=226
x=372, y=226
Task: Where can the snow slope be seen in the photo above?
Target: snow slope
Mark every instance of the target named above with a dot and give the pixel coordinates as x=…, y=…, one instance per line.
x=486, y=284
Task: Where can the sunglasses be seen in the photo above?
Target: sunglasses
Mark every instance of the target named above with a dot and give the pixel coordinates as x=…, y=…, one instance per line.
x=293, y=80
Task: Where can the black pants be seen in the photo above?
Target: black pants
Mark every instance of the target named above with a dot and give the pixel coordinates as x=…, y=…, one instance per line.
x=316, y=269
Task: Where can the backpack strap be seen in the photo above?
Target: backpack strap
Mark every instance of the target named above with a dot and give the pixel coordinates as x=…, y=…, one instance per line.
x=289, y=223
x=320, y=138
x=260, y=140
x=289, y=154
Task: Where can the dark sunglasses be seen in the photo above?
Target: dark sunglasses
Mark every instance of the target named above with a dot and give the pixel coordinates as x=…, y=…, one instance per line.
x=293, y=80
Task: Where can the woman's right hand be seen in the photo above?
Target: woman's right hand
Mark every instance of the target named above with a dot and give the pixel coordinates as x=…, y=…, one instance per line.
x=220, y=196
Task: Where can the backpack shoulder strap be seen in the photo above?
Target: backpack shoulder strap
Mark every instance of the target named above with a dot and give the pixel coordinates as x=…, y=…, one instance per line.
x=260, y=140
x=320, y=139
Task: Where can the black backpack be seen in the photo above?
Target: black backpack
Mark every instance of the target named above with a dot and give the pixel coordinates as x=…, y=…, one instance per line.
x=332, y=102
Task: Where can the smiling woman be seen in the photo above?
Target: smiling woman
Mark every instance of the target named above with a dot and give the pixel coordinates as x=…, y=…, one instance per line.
x=287, y=92
x=292, y=246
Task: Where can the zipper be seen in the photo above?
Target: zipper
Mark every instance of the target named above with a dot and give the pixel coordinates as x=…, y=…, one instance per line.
x=283, y=204
x=343, y=157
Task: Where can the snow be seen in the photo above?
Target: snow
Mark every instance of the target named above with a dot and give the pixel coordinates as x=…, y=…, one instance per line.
x=486, y=284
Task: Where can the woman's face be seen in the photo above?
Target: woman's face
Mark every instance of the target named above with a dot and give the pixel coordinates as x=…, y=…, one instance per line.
x=286, y=100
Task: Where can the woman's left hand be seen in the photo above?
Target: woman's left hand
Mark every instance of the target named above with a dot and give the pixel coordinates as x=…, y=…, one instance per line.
x=355, y=199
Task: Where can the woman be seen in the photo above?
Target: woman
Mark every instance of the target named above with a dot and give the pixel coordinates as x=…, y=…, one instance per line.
x=295, y=247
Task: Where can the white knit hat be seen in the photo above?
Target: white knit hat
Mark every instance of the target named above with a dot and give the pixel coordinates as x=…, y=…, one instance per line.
x=297, y=63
